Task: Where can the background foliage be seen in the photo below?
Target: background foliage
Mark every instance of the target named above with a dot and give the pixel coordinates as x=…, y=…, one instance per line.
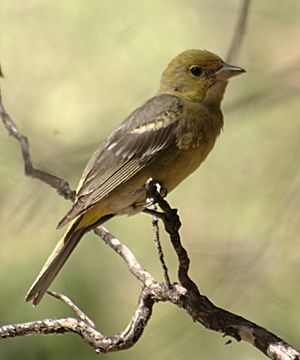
x=74, y=70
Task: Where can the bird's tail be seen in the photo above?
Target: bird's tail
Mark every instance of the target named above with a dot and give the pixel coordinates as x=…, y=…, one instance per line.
x=55, y=261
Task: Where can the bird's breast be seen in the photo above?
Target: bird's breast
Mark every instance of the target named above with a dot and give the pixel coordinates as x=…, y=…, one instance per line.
x=182, y=163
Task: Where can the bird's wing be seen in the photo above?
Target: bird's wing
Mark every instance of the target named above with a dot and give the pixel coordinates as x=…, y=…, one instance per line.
x=134, y=144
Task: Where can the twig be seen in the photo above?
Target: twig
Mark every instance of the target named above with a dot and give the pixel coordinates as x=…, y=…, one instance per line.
x=282, y=84
x=134, y=266
x=82, y=316
x=57, y=183
x=239, y=32
x=159, y=249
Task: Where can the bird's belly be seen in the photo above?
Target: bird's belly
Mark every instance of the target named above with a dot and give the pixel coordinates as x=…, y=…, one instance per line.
x=181, y=166
x=169, y=171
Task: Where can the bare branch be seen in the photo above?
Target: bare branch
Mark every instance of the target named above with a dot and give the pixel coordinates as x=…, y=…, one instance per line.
x=134, y=266
x=159, y=250
x=82, y=316
x=210, y=316
x=57, y=183
x=281, y=85
x=88, y=333
x=239, y=32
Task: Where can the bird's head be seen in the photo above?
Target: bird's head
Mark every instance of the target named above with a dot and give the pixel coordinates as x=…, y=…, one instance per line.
x=192, y=73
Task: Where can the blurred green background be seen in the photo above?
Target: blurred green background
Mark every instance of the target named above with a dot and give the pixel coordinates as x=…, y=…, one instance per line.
x=73, y=70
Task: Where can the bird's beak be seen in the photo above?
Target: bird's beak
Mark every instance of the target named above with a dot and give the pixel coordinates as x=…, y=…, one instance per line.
x=227, y=71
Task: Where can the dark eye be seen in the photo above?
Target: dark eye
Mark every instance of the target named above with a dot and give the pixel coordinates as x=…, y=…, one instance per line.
x=196, y=70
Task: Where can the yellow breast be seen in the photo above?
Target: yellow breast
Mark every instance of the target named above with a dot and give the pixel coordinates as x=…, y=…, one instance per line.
x=174, y=169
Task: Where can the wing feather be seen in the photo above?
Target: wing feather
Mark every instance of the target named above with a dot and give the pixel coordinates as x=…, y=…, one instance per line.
x=132, y=146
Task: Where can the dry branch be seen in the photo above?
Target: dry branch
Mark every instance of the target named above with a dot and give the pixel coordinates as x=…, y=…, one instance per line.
x=239, y=32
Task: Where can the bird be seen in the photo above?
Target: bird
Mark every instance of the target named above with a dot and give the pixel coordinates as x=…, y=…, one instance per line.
x=165, y=139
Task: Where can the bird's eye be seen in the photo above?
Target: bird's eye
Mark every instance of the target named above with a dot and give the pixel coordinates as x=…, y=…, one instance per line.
x=196, y=70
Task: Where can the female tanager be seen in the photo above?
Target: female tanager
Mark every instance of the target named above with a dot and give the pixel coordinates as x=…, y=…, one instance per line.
x=165, y=139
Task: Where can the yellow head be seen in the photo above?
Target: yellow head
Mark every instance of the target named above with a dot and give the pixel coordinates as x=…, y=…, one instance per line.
x=191, y=73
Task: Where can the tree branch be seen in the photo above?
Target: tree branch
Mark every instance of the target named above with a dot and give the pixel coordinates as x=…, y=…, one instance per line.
x=85, y=329
x=159, y=249
x=57, y=183
x=133, y=265
x=239, y=32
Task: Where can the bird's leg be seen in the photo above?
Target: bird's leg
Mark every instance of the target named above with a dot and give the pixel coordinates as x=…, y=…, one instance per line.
x=153, y=212
x=154, y=191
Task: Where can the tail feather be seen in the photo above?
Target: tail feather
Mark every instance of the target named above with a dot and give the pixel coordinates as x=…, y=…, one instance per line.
x=55, y=262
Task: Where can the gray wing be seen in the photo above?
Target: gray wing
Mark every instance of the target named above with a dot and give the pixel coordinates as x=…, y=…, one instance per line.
x=133, y=145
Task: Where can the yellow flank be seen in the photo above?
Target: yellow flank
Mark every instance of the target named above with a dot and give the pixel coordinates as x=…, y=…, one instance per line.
x=186, y=163
x=93, y=214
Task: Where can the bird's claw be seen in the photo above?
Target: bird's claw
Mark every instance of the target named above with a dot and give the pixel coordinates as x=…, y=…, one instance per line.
x=152, y=185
